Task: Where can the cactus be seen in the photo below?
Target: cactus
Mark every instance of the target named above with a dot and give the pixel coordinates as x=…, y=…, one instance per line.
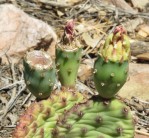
x=111, y=66
x=67, y=63
x=68, y=55
x=66, y=115
x=69, y=114
x=40, y=118
x=97, y=118
x=39, y=73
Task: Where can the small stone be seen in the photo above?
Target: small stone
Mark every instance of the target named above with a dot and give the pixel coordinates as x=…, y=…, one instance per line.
x=147, y=112
x=139, y=107
x=143, y=57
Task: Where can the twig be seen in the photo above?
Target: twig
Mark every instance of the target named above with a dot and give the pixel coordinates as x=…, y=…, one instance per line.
x=56, y=4
x=11, y=126
x=28, y=96
x=11, y=85
x=140, y=101
x=141, y=132
x=9, y=104
x=120, y=11
x=15, y=98
x=81, y=9
x=83, y=87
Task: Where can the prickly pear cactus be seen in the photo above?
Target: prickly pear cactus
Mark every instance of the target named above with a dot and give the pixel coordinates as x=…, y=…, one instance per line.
x=39, y=73
x=97, y=118
x=111, y=66
x=40, y=118
x=67, y=63
x=68, y=56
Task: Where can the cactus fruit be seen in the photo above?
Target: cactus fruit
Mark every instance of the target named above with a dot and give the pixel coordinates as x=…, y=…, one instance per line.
x=39, y=73
x=68, y=55
x=97, y=118
x=111, y=66
x=40, y=118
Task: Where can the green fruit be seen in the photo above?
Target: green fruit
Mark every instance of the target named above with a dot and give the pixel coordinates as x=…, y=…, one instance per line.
x=97, y=118
x=40, y=118
x=111, y=66
x=109, y=77
x=67, y=62
x=39, y=73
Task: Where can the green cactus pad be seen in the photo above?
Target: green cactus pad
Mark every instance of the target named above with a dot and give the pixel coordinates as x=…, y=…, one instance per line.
x=96, y=118
x=109, y=77
x=39, y=74
x=40, y=118
x=67, y=62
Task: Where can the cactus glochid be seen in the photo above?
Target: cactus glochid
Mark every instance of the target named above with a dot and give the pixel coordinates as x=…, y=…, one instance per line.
x=111, y=66
x=97, y=118
x=39, y=73
x=68, y=56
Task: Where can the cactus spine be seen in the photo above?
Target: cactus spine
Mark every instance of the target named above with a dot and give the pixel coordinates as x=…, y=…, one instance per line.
x=39, y=73
x=111, y=66
x=68, y=56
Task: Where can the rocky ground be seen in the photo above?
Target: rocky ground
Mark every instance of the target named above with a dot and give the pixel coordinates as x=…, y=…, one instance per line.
x=37, y=24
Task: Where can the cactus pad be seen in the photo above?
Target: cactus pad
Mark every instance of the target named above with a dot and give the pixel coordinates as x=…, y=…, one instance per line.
x=96, y=118
x=39, y=73
x=40, y=118
x=67, y=62
x=68, y=56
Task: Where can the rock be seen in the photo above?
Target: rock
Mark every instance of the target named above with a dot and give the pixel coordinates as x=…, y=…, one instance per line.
x=143, y=57
x=139, y=107
x=139, y=47
x=138, y=83
x=19, y=33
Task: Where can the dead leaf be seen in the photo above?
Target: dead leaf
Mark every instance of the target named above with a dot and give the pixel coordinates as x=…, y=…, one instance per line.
x=89, y=40
x=140, y=4
x=85, y=70
x=142, y=33
x=131, y=25
x=123, y=5
x=143, y=30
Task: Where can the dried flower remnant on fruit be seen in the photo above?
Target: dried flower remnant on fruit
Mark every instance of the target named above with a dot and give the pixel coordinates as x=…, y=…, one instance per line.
x=120, y=29
x=69, y=30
